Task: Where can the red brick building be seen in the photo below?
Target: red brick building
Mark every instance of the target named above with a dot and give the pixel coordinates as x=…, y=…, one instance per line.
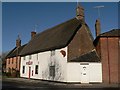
x=108, y=47
x=13, y=58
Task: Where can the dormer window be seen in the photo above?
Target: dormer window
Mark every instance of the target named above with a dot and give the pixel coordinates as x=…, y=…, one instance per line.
x=37, y=56
x=52, y=52
x=24, y=58
x=30, y=56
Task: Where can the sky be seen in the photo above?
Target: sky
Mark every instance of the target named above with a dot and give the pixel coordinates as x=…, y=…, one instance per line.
x=23, y=17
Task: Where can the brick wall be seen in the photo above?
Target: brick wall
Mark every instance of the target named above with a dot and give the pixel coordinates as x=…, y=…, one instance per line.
x=11, y=63
x=109, y=56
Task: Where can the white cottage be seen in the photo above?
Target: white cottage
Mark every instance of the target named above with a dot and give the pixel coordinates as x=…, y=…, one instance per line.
x=63, y=53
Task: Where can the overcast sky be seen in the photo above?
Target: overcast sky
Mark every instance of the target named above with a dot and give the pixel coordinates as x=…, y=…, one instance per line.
x=21, y=18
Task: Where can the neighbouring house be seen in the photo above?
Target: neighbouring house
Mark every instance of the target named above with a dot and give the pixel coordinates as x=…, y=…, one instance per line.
x=13, y=59
x=63, y=53
x=108, y=47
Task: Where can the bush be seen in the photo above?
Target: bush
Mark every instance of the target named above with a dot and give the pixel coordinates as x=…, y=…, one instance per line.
x=8, y=74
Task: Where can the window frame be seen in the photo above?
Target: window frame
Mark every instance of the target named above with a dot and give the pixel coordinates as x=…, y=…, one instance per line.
x=12, y=60
x=36, y=69
x=8, y=61
x=52, y=71
x=23, y=70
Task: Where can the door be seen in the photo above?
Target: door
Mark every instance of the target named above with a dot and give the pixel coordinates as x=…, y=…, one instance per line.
x=29, y=73
x=84, y=73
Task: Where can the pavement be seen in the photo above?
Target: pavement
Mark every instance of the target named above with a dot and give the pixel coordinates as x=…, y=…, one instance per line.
x=58, y=84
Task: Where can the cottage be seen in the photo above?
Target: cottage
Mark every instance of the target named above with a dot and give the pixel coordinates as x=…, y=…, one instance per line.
x=63, y=53
x=13, y=58
x=108, y=47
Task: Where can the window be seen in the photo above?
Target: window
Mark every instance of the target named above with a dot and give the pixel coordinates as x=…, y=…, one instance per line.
x=36, y=69
x=9, y=61
x=52, y=71
x=23, y=70
x=12, y=60
x=53, y=53
x=30, y=56
x=37, y=56
x=24, y=58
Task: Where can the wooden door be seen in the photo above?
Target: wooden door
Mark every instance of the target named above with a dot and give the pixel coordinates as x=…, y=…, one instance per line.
x=29, y=72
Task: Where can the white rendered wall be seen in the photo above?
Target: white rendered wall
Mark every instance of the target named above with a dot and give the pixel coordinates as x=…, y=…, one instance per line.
x=95, y=72
x=64, y=71
x=35, y=62
x=74, y=72
x=44, y=60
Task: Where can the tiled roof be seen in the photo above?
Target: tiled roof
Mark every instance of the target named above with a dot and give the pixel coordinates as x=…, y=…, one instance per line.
x=114, y=32
x=111, y=33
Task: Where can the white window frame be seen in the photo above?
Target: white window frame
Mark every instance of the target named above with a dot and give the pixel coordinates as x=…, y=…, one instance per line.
x=36, y=69
x=23, y=71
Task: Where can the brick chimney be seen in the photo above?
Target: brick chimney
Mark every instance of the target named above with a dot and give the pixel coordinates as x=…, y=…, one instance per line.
x=33, y=33
x=80, y=13
x=97, y=27
x=18, y=42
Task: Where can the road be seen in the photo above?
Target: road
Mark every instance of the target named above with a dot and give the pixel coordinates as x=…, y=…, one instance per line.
x=37, y=85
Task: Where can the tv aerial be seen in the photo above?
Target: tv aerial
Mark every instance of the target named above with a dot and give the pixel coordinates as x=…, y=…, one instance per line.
x=98, y=8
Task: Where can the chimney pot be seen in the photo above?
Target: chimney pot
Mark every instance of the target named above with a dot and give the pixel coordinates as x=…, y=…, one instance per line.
x=18, y=42
x=80, y=13
x=97, y=27
x=33, y=33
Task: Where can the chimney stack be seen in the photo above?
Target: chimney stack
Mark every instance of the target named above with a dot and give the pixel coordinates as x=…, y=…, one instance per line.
x=80, y=13
x=33, y=33
x=97, y=27
x=18, y=42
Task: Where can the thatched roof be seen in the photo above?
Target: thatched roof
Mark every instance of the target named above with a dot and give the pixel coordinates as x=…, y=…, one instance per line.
x=14, y=52
x=59, y=37
x=53, y=38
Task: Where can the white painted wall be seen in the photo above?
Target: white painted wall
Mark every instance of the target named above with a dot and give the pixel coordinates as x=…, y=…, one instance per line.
x=74, y=72
x=64, y=71
x=44, y=61
x=95, y=72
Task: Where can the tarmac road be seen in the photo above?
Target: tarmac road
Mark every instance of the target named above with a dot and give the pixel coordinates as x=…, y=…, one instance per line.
x=25, y=84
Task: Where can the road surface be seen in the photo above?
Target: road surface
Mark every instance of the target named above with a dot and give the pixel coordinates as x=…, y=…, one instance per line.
x=24, y=84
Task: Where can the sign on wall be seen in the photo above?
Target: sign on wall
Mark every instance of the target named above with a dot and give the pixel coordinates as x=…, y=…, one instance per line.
x=29, y=63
